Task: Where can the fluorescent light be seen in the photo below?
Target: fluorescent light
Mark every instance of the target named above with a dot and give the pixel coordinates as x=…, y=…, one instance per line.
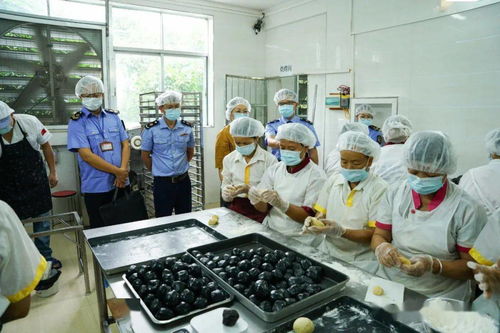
x=459, y=17
x=462, y=0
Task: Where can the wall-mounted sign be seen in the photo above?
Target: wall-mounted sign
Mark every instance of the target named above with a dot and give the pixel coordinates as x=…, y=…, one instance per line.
x=286, y=69
x=332, y=101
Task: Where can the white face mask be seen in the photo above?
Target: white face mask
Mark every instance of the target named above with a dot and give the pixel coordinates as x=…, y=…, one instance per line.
x=92, y=103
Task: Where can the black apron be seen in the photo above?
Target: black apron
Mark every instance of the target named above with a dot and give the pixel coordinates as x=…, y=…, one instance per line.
x=24, y=184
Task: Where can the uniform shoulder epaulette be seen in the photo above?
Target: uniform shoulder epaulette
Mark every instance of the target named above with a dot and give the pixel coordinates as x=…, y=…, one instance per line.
x=113, y=111
x=373, y=127
x=273, y=121
x=307, y=121
x=151, y=124
x=76, y=115
x=187, y=123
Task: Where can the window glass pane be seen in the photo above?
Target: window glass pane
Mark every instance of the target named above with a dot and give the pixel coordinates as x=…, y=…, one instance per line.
x=183, y=33
x=135, y=74
x=38, y=7
x=77, y=11
x=135, y=28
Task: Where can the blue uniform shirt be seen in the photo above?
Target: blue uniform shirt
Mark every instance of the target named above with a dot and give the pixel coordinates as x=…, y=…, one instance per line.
x=168, y=147
x=85, y=130
x=376, y=135
x=272, y=129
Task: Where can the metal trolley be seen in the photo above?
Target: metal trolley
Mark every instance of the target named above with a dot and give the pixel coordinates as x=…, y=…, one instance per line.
x=192, y=112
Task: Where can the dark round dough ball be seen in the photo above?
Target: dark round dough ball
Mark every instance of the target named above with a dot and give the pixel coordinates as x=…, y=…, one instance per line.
x=187, y=259
x=313, y=288
x=172, y=298
x=226, y=256
x=136, y=283
x=254, y=273
x=266, y=306
x=302, y=296
x=216, y=258
x=194, y=270
x=200, y=303
x=271, y=258
x=231, y=281
x=211, y=264
x=240, y=287
x=155, y=305
x=295, y=280
x=305, y=263
x=262, y=289
x=299, y=272
x=222, y=263
x=245, y=254
x=282, y=284
x=315, y=273
x=169, y=262
x=307, y=280
x=279, y=254
x=164, y=314
x=230, y=317
x=223, y=275
x=210, y=255
x=149, y=299
x=167, y=277
x=143, y=269
x=294, y=289
x=279, y=305
x=179, y=286
x=195, y=284
x=243, y=277
x=277, y=275
x=265, y=276
x=290, y=300
x=290, y=255
x=217, y=296
x=261, y=251
x=255, y=262
x=282, y=265
x=131, y=270
x=182, y=308
x=254, y=299
x=150, y=275
x=183, y=276
x=276, y=295
x=187, y=296
x=204, y=260
x=162, y=291
x=245, y=265
x=233, y=260
x=178, y=266
x=267, y=267
x=153, y=286
x=236, y=251
x=157, y=266
x=195, y=252
x=218, y=270
x=233, y=272
x=142, y=290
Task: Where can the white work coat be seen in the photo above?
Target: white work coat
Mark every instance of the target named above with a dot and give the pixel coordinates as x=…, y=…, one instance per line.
x=452, y=226
x=390, y=164
x=332, y=163
x=353, y=209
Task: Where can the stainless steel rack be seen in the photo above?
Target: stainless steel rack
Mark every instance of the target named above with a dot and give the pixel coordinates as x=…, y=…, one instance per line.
x=192, y=112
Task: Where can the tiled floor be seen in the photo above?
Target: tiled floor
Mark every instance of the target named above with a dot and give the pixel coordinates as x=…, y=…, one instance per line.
x=70, y=310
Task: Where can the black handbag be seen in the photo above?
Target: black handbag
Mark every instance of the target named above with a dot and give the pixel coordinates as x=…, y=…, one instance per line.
x=128, y=208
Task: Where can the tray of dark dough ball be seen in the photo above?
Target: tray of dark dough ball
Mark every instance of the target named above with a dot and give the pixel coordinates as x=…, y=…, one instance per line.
x=173, y=288
x=270, y=279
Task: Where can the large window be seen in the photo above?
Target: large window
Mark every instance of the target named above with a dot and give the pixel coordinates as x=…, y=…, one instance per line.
x=157, y=51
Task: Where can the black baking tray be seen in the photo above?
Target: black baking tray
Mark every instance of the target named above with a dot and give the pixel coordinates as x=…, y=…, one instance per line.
x=116, y=252
x=333, y=281
x=346, y=314
x=178, y=318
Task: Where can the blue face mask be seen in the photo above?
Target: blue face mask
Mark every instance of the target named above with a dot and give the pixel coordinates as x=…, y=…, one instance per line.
x=240, y=115
x=5, y=130
x=173, y=114
x=425, y=185
x=290, y=157
x=286, y=110
x=354, y=175
x=246, y=150
x=367, y=121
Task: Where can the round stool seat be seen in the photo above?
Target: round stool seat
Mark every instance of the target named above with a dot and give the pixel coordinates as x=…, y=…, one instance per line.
x=63, y=194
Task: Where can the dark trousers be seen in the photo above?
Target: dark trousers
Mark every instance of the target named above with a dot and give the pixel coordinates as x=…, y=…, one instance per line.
x=93, y=201
x=170, y=196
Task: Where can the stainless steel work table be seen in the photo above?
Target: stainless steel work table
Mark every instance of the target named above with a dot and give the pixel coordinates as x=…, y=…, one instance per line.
x=231, y=224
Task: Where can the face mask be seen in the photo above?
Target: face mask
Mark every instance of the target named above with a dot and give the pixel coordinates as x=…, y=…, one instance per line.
x=366, y=121
x=173, y=114
x=354, y=175
x=92, y=103
x=289, y=157
x=286, y=110
x=246, y=150
x=5, y=130
x=240, y=115
x=425, y=185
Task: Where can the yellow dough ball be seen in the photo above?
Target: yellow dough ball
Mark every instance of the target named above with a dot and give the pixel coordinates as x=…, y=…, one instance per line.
x=404, y=260
x=316, y=223
x=303, y=325
x=214, y=220
x=378, y=291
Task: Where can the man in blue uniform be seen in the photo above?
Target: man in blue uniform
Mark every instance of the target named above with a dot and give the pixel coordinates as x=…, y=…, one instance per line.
x=167, y=148
x=287, y=102
x=364, y=114
x=100, y=139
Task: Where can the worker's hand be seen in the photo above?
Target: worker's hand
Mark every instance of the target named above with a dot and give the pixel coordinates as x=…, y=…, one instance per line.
x=228, y=193
x=273, y=198
x=53, y=180
x=420, y=265
x=331, y=228
x=243, y=188
x=120, y=184
x=488, y=277
x=254, y=195
x=122, y=174
x=387, y=255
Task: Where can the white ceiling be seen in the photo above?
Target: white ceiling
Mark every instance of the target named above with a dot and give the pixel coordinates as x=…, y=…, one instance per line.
x=252, y=4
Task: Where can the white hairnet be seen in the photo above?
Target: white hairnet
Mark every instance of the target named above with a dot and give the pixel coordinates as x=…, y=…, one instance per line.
x=285, y=95
x=297, y=133
x=397, y=129
x=430, y=151
x=364, y=108
x=5, y=110
x=492, y=140
x=169, y=97
x=234, y=102
x=89, y=85
x=358, y=142
x=355, y=127
x=246, y=127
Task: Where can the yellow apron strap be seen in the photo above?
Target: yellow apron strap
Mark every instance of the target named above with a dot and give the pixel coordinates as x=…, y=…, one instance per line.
x=350, y=198
x=247, y=174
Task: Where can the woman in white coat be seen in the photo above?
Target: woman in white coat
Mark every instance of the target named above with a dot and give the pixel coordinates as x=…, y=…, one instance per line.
x=483, y=183
x=290, y=187
x=332, y=163
x=429, y=220
x=348, y=202
x=390, y=167
x=245, y=166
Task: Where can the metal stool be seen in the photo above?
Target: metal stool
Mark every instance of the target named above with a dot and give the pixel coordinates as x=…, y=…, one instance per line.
x=67, y=194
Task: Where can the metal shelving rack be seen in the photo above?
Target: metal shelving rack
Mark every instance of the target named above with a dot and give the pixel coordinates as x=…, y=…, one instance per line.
x=192, y=112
